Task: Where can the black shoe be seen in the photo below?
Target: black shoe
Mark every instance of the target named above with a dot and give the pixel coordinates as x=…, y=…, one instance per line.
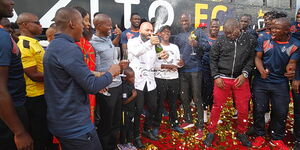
x=251, y=131
x=244, y=139
x=209, y=139
x=138, y=143
x=297, y=146
x=149, y=135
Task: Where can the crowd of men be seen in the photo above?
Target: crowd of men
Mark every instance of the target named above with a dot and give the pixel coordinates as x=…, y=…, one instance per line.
x=89, y=87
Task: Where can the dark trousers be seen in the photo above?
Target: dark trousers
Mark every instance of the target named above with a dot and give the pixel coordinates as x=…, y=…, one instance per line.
x=88, y=141
x=127, y=126
x=278, y=94
x=150, y=99
x=166, y=89
x=207, y=90
x=37, y=115
x=190, y=84
x=108, y=117
x=6, y=135
x=296, y=97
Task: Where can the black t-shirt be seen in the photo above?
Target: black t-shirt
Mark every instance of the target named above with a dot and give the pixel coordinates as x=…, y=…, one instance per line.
x=126, y=93
x=10, y=56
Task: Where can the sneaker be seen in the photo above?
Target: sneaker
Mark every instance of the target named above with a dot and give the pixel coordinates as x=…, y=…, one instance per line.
x=297, y=146
x=138, y=143
x=243, y=138
x=199, y=134
x=279, y=144
x=178, y=129
x=209, y=139
x=148, y=134
x=155, y=132
x=131, y=146
x=122, y=146
x=186, y=125
x=126, y=147
x=258, y=142
x=235, y=115
x=220, y=121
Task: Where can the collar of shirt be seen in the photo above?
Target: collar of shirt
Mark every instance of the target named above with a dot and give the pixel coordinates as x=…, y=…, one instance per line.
x=64, y=36
x=30, y=39
x=101, y=39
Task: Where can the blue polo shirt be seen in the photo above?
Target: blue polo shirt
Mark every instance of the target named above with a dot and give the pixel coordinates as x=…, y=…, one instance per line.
x=10, y=56
x=295, y=30
x=68, y=80
x=276, y=56
x=128, y=34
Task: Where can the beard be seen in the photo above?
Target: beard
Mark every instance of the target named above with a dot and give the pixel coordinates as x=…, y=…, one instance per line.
x=145, y=37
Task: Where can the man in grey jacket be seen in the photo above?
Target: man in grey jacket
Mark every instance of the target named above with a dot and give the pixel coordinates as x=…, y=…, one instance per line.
x=108, y=107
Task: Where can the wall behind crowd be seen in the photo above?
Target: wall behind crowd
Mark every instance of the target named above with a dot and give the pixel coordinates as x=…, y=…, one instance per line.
x=165, y=11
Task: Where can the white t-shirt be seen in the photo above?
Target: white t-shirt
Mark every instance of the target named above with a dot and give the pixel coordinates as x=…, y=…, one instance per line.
x=174, y=57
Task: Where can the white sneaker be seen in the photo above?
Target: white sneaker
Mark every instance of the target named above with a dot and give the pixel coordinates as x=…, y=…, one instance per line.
x=267, y=117
x=220, y=121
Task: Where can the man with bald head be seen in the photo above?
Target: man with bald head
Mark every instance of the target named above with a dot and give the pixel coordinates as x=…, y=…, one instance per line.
x=13, y=115
x=108, y=107
x=275, y=61
x=68, y=81
x=231, y=62
x=142, y=57
x=32, y=60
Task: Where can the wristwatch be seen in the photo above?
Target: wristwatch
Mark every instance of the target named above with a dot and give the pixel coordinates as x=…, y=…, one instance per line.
x=245, y=75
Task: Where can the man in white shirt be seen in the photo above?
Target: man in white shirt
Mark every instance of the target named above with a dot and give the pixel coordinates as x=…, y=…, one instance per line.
x=167, y=81
x=142, y=57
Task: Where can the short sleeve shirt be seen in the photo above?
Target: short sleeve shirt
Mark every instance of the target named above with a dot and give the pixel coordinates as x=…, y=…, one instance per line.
x=276, y=56
x=128, y=34
x=10, y=56
x=32, y=55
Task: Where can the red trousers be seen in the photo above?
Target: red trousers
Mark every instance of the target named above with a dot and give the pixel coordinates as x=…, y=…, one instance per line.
x=241, y=96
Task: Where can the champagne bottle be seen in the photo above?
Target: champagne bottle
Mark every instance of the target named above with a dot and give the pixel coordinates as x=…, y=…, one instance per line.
x=158, y=48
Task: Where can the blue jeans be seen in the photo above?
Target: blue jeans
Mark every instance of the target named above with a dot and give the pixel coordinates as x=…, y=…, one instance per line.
x=296, y=97
x=278, y=94
x=88, y=141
